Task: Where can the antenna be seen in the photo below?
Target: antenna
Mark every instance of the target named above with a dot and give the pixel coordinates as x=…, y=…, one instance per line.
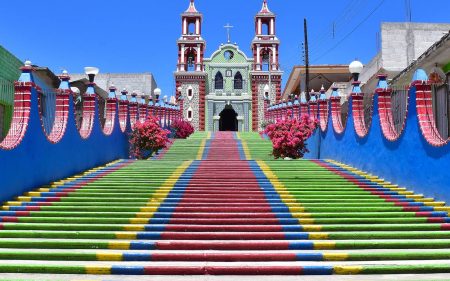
x=408, y=10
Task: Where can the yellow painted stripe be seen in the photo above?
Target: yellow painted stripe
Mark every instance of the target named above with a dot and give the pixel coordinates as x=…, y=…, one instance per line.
x=126, y=235
x=201, y=149
x=134, y=227
x=109, y=256
x=347, y=270
x=335, y=256
x=248, y=156
x=98, y=270
x=160, y=195
x=318, y=236
x=324, y=245
x=439, y=206
x=312, y=228
x=119, y=245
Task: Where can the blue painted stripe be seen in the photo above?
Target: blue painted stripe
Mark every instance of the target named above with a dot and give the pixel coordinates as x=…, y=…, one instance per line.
x=304, y=245
x=309, y=257
x=141, y=245
x=148, y=235
x=317, y=270
x=127, y=270
x=136, y=257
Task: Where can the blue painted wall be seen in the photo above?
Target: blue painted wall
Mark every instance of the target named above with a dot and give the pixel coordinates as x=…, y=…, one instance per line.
x=36, y=162
x=410, y=161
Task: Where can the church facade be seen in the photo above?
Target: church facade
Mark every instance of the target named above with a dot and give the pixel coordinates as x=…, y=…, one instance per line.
x=227, y=91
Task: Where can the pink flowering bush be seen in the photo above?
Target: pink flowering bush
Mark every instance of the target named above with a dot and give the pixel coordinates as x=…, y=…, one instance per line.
x=148, y=138
x=183, y=129
x=289, y=136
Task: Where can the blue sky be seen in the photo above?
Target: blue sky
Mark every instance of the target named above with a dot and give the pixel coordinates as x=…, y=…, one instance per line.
x=140, y=35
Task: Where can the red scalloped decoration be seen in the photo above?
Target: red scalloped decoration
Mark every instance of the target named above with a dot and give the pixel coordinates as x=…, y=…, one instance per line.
x=143, y=111
x=386, y=117
x=427, y=123
x=88, y=116
x=133, y=113
x=313, y=109
x=336, y=117
x=361, y=127
x=323, y=115
x=61, y=116
x=304, y=109
x=110, y=115
x=21, y=115
x=123, y=112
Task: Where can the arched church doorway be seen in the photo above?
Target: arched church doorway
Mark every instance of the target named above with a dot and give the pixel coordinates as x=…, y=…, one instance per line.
x=228, y=119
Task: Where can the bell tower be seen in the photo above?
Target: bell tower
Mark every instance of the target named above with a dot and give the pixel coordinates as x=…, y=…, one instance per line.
x=190, y=76
x=266, y=73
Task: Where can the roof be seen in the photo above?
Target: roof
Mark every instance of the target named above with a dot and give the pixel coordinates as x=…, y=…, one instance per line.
x=191, y=9
x=319, y=75
x=265, y=9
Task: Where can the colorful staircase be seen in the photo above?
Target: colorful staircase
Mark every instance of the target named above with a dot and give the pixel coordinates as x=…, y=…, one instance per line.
x=205, y=208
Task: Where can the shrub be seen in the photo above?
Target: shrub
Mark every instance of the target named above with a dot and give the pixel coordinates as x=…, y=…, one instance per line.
x=148, y=138
x=289, y=136
x=183, y=129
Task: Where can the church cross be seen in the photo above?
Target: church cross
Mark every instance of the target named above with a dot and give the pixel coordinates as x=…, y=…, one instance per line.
x=228, y=27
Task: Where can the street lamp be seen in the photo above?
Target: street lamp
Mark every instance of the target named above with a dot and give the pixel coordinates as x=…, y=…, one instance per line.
x=91, y=72
x=355, y=68
x=157, y=93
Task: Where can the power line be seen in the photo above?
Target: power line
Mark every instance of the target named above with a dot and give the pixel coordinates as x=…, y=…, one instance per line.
x=351, y=32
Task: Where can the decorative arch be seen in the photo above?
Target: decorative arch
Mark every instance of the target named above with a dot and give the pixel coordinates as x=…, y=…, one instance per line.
x=425, y=114
x=218, y=81
x=143, y=111
x=61, y=116
x=123, y=114
x=110, y=114
x=133, y=108
x=386, y=117
x=323, y=114
x=361, y=128
x=336, y=115
x=21, y=115
x=86, y=124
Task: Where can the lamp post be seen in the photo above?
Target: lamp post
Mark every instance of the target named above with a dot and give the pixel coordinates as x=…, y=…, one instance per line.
x=91, y=72
x=355, y=68
x=166, y=111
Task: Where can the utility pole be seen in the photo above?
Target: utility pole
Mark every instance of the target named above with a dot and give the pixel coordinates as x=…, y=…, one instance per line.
x=305, y=31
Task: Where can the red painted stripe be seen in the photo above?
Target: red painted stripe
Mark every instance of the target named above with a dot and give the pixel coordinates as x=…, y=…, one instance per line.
x=423, y=214
x=411, y=209
x=10, y=219
x=224, y=216
x=224, y=221
x=222, y=245
x=445, y=226
x=223, y=235
x=22, y=213
x=436, y=220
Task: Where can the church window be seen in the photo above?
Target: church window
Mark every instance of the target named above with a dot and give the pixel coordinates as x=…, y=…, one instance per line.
x=238, y=81
x=190, y=94
x=218, y=81
x=229, y=55
x=189, y=114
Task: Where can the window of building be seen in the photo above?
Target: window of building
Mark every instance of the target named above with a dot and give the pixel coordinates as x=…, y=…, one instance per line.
x=238, y=81
x=189, y=114
x=218, y=81
x=190, y=93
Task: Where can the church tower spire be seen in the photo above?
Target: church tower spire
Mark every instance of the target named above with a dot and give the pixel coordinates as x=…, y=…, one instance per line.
x=266, y=68
x=190, y=76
